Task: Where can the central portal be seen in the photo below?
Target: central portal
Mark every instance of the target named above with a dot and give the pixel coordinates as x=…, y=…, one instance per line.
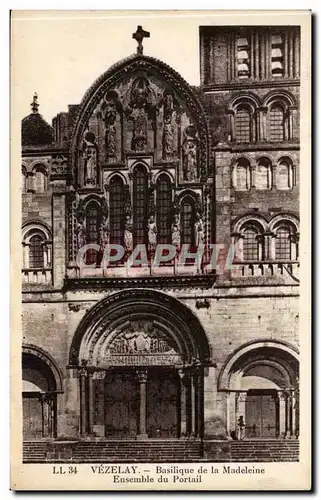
x=117, y=404
x=140, y=358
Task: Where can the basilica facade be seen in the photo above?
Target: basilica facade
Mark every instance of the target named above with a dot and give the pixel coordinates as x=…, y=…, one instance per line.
x=133, y=357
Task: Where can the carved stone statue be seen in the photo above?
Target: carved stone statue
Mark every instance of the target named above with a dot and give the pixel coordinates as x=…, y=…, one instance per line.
x=81, y=234
x=152, y=234
x=128, y=235
x=104, y=233
x=168, y=132
x=176, y=231
x=190, y=160
x=168, y=139
x=199, y=230
x=109, y=110
x=90, y=159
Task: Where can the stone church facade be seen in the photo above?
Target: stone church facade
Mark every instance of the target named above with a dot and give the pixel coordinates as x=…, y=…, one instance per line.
x=203, y=358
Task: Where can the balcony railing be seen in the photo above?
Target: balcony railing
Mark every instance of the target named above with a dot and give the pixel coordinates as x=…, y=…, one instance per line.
x=266, y=269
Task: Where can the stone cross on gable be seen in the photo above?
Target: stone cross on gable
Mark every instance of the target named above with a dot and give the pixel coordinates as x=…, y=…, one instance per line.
x=35, y=105
x=139, y=37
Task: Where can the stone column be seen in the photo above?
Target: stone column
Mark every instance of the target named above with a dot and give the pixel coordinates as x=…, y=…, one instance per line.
x=231, y=124
x=91, y=402
x=291, y=54
x=274, y=171
x=296, y=56
x=197, y=403
x=252, y=176
x=192, y=407
x=240, y=411
x=142, y=378
x=83, y=416
x=263, y=128
x=183, y=416
x=282, y=414
x=286, y=55
x=25, y=255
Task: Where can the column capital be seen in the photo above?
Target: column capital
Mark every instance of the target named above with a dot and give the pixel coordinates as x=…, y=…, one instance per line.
x=141, y=375
x=241, y=397
x=83, y=372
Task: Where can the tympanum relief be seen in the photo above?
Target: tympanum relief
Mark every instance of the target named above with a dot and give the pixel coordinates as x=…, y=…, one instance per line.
x=139, y=115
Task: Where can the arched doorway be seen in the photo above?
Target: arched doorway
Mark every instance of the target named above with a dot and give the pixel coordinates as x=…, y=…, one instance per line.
x=41, y=384
x=140, y=356
x=262, y=391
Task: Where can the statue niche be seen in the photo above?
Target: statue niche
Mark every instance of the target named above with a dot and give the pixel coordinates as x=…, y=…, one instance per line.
x=109, y=110
x=90, y=158
x=190, y=154
x=169, y=152
x=141, y=109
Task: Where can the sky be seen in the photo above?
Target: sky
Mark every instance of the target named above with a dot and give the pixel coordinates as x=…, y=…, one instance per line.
x=60, y=58
x=59, y=54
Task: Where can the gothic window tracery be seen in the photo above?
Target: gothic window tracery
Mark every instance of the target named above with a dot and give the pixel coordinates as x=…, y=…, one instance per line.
x=187, y=220
x=163, y=205
x=140, y=205
x=93, y=221
x=117, y=210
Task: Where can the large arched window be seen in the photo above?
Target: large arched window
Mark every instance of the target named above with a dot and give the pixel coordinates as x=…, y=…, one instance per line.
x=140, y=205
x=243, y=123
x=40, y=182
x=163, y=206
x=93, y=221
x=116, y=200
x=263, y=174
x=277, y=123
x=250, y=243
x=187, y=220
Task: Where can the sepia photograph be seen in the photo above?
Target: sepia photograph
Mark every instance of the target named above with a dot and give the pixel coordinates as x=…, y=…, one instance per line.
x=159, y=242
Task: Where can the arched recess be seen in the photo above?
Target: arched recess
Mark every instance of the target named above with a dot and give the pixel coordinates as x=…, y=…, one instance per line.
x=261, y=381
x=112, y=316
x=130, y=348
x=42, y=382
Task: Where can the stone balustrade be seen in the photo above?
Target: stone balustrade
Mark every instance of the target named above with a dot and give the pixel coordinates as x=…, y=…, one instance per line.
x=41, y=276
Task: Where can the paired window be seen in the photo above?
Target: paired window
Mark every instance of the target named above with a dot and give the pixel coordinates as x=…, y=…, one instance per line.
x=278, y=241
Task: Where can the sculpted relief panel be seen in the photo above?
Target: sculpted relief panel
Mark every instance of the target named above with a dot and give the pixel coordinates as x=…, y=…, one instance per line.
x=140, y=344
x=139, y=115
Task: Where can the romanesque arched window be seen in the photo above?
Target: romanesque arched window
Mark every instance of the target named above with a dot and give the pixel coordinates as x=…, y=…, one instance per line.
x=243, y=123
x=116, y=199
x=36, y=242
x=277, y=123
x=187, y=220
x=250, y=243
x=163, y=208
x=241, y=175
x=140, y=205
x=263, y=174
x=40, y=182
x=93, y=221
x=36, y=257
x=283, y=242
x=285, y=174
